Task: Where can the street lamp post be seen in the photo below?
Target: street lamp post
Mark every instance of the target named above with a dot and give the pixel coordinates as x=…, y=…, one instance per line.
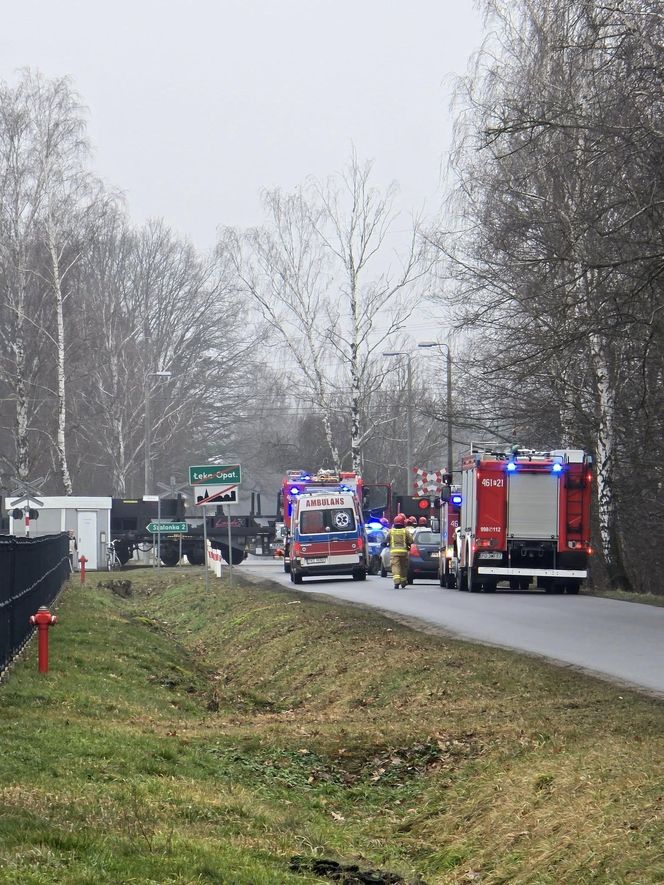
x=409, y=414
x=147, y=453
x=450, y=458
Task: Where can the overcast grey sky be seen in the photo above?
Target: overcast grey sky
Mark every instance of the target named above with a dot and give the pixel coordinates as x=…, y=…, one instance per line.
x=196, y=106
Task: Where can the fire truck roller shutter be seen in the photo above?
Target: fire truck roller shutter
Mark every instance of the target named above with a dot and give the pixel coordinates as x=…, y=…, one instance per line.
x=532, y=505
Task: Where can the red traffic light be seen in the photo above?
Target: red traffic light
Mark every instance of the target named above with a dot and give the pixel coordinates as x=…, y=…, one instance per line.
x=423, y=504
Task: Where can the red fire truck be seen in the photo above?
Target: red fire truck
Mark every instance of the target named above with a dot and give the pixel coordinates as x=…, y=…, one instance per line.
x=525, y=516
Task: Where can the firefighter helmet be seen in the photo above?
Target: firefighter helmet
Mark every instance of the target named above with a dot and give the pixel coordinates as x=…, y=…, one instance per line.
x=412, y=520
x=399, y=519
x=422, y=520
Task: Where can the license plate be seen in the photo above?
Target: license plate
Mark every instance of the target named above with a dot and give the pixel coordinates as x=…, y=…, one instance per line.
x=316, y=561
x=495, y=555
x=435, y=554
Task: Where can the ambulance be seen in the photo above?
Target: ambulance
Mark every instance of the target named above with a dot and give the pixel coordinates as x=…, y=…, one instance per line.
x=327, y=536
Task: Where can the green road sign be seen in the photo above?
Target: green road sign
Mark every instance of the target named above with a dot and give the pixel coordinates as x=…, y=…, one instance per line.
x=215, y=474
x=156, y=528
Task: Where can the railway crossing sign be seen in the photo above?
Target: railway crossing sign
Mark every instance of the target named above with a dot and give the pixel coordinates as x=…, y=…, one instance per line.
x=215, y=475
x=172, y=527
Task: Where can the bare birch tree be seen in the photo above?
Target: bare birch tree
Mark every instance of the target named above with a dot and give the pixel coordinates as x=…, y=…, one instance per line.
x=320, y=275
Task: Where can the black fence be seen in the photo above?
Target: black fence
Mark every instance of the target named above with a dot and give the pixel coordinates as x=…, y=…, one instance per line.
x=32, y=571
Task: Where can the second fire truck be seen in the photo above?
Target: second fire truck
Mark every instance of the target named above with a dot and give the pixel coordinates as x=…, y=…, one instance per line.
x=524, y=518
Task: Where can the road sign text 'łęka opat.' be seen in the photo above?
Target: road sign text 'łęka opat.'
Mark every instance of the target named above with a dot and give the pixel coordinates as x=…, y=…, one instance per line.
x=215, y=474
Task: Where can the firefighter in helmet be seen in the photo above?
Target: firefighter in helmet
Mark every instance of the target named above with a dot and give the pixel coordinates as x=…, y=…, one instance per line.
x=411, y=525
x=422, y=522
x=399, y=540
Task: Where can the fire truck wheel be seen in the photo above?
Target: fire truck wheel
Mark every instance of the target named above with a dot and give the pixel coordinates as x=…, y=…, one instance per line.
x=287, y=567
x=572, y=587
x=474, y=583
x=295, y=577
x=442, y=578
x=461, y=580
x=489, y=586
x=360, y=574
x=524, y=583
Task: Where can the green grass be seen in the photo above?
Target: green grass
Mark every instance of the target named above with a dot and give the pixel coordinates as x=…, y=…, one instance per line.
x=182, y=737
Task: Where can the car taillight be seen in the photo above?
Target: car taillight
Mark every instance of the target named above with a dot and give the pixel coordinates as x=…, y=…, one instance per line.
x=297, y=547
x=414, y=551
x=360, y=543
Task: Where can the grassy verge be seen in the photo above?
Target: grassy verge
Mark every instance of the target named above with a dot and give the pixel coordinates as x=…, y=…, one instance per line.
x=185, y=738
x=643, y=598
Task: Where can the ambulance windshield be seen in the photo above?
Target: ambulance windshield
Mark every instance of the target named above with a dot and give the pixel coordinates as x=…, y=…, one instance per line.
x=318, y=522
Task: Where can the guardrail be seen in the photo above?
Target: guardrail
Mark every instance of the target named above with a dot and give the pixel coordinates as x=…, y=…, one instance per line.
x=32, y=571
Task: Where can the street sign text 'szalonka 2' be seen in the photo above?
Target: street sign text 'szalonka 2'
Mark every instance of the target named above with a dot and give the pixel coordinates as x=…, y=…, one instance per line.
x=173, y=527
x=215, y=474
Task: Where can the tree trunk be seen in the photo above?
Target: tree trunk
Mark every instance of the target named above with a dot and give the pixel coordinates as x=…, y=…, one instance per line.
x=61, y=444
x=606, y=441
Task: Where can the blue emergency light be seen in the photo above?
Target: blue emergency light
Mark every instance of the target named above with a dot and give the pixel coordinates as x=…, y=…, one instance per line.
x=557, y=468
x=294, y=490
x=511, y=466
x=456, y=499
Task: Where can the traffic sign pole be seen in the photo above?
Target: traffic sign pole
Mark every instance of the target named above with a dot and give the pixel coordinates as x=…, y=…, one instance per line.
x=205, y=551
x=230, y=549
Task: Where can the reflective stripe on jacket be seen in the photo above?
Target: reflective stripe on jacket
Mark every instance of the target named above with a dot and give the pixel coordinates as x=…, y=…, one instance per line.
x=399, y=540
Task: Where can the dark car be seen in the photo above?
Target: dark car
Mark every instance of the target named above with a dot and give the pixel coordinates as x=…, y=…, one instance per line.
x=423, y=556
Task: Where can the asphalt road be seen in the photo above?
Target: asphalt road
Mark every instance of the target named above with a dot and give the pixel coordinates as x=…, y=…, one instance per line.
x=623, y=641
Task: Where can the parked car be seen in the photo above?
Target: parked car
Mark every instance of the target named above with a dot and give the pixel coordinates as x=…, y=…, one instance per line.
x=375, y=541
x=424, y=555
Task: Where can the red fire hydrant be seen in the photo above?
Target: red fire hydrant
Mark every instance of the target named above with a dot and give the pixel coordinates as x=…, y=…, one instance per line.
x=82, y=560
x=43, y=620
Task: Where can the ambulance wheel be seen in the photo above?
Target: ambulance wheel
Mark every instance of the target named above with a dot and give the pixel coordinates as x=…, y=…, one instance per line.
x=474, y=583
x=360, y=574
